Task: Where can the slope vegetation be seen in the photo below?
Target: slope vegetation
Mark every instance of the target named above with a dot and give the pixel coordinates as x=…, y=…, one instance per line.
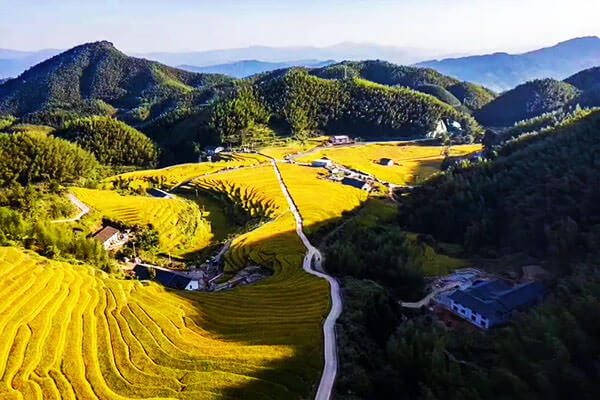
x=180, y=224
x=99, y=75
x=301, y=104
x=425, y=80
x=526, y=101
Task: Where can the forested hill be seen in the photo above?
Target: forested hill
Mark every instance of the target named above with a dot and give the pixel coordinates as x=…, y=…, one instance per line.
x=541, y=195
x=296, y=102
x=528, y=100
x=96, y=78
x=426, y=80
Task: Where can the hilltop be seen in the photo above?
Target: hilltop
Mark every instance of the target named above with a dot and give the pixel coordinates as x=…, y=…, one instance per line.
x=502, y=71
x=296, y=102
x=426, y=80
x=100, y=77
x=528, y=100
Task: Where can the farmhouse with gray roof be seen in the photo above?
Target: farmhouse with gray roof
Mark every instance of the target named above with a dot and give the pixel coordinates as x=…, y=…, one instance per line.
x=493, y=302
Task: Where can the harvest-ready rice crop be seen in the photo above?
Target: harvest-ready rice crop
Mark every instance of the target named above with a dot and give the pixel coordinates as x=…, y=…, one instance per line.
x=410, y=161
x=75, y=332
x=180, y=225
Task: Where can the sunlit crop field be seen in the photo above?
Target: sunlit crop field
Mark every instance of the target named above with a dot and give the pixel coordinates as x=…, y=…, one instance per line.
x=176, y=175
x=409, y=161
x=181, y=227
x=319, y=200
x=74, y=332
x=281, y=151
x=258, y=191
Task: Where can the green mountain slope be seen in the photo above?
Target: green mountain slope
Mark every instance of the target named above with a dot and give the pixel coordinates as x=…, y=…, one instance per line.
x=525, y=101
x=136, y=89
x=426, y=80
x=586, y=79
x=541, y=196
x=296, y=102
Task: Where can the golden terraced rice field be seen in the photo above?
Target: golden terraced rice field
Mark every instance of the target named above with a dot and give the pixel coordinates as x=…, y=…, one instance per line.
x=181, y=227
x=176, y=175
x=74, y=332
x=319, y=200
x=410, y=160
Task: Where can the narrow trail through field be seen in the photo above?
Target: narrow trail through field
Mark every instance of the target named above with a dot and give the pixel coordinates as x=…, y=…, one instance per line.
x=314, y=255
x=82, y=208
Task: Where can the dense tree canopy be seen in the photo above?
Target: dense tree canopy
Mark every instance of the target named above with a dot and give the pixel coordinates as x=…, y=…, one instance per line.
x=112, y=142
x=307, y=105
x=31, y=157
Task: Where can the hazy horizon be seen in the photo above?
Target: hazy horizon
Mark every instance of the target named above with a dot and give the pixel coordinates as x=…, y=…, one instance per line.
x=136, y=26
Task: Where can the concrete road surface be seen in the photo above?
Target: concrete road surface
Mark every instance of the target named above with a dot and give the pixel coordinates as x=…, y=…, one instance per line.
x=314, y=255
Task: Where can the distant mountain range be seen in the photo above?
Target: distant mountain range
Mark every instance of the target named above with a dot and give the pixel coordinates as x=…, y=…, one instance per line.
x=502, y=71
x=14, y=62
x=341, y=51
x=245, y=68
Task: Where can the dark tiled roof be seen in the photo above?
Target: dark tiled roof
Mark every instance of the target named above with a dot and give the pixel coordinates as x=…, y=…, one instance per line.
x=141, y=273
x=493, y=298
x=171, y=279
x=353, y=182
x=106, y=233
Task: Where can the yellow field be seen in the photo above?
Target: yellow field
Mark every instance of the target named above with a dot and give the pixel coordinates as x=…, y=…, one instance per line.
x=409, y=160
x=319, y=201
x=180, y=225
x=280, y=152
x=257, y=190
x=176, y=175
x=73, y=332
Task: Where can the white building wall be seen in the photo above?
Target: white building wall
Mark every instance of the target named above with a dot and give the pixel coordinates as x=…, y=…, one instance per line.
x=469, y=315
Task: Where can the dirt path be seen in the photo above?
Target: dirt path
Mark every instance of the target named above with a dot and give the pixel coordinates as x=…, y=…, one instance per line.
x=313, y=255
x=82, y=208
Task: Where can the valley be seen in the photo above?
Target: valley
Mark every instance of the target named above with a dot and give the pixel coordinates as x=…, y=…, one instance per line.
x=173, y=234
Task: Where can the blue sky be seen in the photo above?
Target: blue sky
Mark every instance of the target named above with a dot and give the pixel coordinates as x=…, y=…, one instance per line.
x=183, y=25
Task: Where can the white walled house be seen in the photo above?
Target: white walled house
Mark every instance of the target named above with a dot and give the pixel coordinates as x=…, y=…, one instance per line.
x=493, y=302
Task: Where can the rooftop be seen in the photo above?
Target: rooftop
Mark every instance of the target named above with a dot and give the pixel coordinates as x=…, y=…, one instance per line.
x=106, y=233
x=494, y=297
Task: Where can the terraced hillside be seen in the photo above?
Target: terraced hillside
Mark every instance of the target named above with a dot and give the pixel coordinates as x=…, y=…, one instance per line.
x=178, y=174
x=74, y=332
x=258, y=192
x=180, y=224
x=410, y=162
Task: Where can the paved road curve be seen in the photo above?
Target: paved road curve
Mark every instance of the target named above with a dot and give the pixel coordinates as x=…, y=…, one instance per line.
x=314, y=255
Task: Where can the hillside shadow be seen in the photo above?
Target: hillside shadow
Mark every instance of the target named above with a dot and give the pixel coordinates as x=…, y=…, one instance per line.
x=287, y=309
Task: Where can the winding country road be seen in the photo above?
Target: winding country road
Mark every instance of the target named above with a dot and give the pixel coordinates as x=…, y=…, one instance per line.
x=83, y=210
x=314, y=255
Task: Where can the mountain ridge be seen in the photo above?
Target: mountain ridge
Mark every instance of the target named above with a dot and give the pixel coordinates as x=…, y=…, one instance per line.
x=502, y=71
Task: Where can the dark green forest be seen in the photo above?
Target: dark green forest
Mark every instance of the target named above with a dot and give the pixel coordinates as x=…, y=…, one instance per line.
x=526, y=101
x=540, y=196
x=112, y=142
x=295, y=102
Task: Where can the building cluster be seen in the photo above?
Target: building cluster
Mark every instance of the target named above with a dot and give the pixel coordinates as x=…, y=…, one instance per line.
x=482, y=301
x=345, y=176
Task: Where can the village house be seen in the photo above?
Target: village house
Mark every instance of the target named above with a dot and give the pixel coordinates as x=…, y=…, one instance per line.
x=169, y=279
x=362, y=185
x=111, y=238
x=341, y=139
x=490, y=303
x=322, y=163
x=388, y=162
